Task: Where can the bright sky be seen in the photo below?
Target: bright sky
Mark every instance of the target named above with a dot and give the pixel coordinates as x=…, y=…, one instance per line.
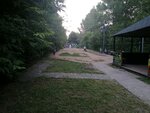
x=75, y=11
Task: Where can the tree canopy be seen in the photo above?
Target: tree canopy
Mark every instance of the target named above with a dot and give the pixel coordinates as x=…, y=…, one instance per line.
x=74, y=38
x=29, y=29
x=110, y=16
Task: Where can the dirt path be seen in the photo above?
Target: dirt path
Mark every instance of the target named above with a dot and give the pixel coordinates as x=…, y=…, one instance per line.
x=85, y=57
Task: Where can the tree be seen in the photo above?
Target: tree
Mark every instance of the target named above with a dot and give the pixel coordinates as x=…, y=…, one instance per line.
x=74, y=38
x=29, y=29
x=115, y=15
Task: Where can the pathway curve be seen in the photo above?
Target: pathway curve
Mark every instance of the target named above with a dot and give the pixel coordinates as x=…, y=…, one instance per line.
x=35, y=70
x=126, y=79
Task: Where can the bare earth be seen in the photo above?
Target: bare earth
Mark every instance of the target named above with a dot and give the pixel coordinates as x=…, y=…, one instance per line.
x=88, y=57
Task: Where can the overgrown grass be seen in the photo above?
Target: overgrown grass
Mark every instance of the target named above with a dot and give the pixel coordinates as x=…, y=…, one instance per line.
x=71, y=67
x=47, y=95
x=72, y=55
x=145, y=79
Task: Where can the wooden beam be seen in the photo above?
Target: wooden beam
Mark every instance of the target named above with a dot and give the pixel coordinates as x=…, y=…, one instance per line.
x=122, y=44
x=142, y=45
x=114, y=44
x=131, y=48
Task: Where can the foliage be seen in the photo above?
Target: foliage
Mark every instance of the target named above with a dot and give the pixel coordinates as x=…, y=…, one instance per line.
x=74, y=38
x=110, y=16
x=29, y=29
x=145, y=79
x=86, y=40
x=45, y=95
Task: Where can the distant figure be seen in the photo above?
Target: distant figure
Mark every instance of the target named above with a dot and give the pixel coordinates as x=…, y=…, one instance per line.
x=84, y=48
x=100, y=50
x=54, y=51
x=70, y=46
x=105, y=51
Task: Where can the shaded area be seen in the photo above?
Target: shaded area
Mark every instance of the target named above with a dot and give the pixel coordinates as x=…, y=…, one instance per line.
x=135, y=58
x=44, y=95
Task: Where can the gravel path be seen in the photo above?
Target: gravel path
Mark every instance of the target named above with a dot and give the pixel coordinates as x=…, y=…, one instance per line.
x=78, y=76
x=34, y=71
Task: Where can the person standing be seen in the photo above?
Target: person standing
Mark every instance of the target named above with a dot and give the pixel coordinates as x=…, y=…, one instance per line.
x=84, y=48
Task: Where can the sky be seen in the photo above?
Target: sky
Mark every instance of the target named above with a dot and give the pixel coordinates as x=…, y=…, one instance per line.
x=75, y=12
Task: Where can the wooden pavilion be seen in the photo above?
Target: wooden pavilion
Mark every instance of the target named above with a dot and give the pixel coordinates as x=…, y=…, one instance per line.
x=130, y=59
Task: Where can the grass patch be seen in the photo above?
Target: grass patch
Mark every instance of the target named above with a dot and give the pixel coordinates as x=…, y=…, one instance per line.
x=47, y=95
x=71, y=67
x=113, y=66
x=72, y=55
x=145, y=79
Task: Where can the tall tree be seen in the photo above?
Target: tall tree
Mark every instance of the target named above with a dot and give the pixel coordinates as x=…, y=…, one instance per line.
x=110, y=16
x=28, y=31
x=74, y=38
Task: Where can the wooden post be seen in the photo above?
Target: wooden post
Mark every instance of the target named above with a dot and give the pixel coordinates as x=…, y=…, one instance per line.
x=131, y=49
x=149, y=66
x=142, y=45
x=114, y=44
x=122, y=44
